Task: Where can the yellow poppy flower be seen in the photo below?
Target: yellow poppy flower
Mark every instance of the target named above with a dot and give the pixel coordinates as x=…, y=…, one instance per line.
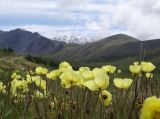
x=39, y=82
x=38, y=70
x=68, y=78
x=19, y=84
x=105, y=97
x=44, y=71
x=64, y=65
x=81, y=69
x=102, y=81
x=29, y=79
x=149, y=75
x=151, y=108
x=38, y=94
x=2, y=86
x=96, y=71
x=119, y=71
x=147, y=67
x=122, y=83
x=80, y=79
x=136, y=63
x=135, y=69
x=91, y=85
x=109, y=69
x=53, y=74
x=112, y=69
x=14, y=76
x=87, y=75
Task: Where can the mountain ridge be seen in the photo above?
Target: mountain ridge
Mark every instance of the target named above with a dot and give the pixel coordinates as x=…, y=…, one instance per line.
x=114, y=48
x=23, y=42
x=88, y=50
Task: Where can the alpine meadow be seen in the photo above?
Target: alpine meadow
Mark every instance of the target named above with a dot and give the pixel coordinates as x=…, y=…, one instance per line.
x=79, y=59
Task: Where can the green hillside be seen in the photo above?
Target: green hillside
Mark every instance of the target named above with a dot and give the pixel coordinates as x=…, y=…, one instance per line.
x=95, y=49
x=12, y=61
x=93, y=54
x=120, y=50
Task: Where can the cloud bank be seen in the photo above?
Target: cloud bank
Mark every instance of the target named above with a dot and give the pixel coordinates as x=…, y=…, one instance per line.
x=95, y=18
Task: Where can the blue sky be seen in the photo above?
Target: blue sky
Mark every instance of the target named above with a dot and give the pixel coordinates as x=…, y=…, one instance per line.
x=94, y=18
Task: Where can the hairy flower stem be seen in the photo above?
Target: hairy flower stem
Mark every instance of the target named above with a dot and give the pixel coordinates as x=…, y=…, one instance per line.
x=45, y=111
x=137, y=89
x=156, y=88
x=84, y=96
x=71, y=101
x=83, y=100
x=101, y=105
x=28, y=104
x=77, y=105
x=37, y=110
x=152, y=85
x=88, y=95
x=146, y=86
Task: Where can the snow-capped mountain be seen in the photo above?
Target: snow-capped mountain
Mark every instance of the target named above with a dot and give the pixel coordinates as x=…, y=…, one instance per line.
x=73, y=38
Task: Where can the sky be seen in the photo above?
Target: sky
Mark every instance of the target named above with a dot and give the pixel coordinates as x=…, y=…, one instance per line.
x=90, y=18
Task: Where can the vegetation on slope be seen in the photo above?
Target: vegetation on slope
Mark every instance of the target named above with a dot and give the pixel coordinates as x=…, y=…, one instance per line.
x=66, y=93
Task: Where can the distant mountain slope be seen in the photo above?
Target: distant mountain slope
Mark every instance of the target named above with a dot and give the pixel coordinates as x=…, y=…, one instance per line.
x=119, y=48
x=73, y=38
x=1, y=31
x=26, y=42
x=115, y=52
x=96, y=50
x=115, y=48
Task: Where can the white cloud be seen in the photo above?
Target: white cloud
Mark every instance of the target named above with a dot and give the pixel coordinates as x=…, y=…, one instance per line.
x=139, y=18
x=45, y=30
x=92, y=25
x=134, y=17
x=26, y=6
